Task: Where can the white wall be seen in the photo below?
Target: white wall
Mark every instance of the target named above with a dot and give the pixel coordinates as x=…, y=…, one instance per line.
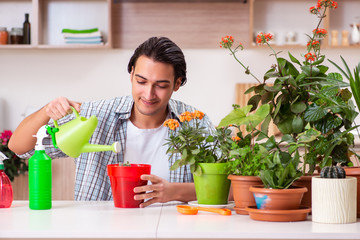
x=30, y=78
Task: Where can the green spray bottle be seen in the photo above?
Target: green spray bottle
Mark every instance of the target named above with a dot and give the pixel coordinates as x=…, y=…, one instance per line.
x=40, y=175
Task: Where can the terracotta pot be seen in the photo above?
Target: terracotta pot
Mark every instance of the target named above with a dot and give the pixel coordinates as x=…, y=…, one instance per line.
x=305, y=181
x=278, y=199
x=334, y=200
x=242, y=196
x=355, y=172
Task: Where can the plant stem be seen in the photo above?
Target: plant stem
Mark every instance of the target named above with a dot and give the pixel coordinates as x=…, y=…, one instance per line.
x=247, y=69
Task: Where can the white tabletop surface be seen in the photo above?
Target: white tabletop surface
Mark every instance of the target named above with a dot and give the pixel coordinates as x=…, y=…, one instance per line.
x=101, y=220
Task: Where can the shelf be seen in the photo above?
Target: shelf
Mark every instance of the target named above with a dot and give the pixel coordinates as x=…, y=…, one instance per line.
x=49, y=17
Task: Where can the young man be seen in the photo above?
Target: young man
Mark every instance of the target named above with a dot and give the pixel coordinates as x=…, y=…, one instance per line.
x=157, y=69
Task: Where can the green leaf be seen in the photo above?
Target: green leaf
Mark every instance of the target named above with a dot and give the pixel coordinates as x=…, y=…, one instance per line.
x=310, y=70
x=195, y=151
x=298, y=124
x=287, y=138
x=327, y=124
x=323, y=69
x=314, y=113
x=254, y=101
x=285, y=126
x=265, y=124
x=249, y=90
x=175, y=165
x=271, y=74
x=275, y=88
x=235, y=116
x=298, y=107
x=345, y=94
x=308, y=136
x=320, y=60
x=198, y=171
x=293, y=59
x=281, y=62
x=267, y=97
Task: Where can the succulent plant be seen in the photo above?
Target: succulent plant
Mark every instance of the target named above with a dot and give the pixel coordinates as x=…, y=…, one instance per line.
x=333, y=172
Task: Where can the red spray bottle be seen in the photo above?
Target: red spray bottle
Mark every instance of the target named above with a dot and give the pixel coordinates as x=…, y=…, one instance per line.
x=6, y=192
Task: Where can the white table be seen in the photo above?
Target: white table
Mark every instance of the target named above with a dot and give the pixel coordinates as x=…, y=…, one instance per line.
x=101, y=220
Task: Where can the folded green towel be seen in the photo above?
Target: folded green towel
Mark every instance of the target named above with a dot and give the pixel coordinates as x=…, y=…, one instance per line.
x=66, y=30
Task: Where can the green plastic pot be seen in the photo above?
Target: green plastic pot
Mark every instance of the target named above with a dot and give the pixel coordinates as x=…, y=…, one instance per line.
x=212, y=187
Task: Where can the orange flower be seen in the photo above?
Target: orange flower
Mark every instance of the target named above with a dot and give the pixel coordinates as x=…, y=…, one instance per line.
x=171, y=124
x=320, y=32
x=263, y=38
x=314, y=10
x=236, y=138
x=226, y=42
x=314, y=44
x=310, y=57
x=186, y=116
x=197, y=114
x=327, y=3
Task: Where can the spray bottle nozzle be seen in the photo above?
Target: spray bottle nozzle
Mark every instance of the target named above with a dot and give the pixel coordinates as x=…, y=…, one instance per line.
x=2, y=158
x=51, y=131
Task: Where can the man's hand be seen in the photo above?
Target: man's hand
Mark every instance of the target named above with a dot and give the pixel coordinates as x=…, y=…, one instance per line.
x=163, y=191
x=60, y=107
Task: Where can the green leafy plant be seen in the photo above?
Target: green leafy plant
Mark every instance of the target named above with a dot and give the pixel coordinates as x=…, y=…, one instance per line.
x=196, y=145
x=305, y=99
x=246, y=158
x=281, y=170
x=13, y=166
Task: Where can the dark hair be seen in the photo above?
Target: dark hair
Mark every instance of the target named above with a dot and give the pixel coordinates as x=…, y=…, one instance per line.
x=162, y=49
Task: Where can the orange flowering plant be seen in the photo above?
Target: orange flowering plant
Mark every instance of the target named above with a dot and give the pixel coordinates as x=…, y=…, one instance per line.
x=311, y=107
x=195, y=144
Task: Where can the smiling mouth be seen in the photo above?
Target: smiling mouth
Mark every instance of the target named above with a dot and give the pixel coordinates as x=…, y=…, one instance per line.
x=148, y=103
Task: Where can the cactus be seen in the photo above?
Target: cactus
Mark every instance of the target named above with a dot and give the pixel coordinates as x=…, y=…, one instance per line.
x=333, y=172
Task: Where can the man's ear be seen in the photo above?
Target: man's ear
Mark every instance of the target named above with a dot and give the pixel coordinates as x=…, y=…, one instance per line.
x=177, y=84
x=132, y=73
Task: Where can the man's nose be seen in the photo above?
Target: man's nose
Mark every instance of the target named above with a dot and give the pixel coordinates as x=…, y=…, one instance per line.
x=150, y=92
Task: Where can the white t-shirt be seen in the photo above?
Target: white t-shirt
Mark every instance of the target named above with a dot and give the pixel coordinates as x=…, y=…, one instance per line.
x=146, y=146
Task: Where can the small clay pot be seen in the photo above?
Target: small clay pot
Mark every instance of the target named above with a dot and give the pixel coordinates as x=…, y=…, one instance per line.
x=242, y=196
x=278, y=199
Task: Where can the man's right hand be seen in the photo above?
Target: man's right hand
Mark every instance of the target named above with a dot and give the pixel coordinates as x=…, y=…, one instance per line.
x=22, y=139
x=60, y=107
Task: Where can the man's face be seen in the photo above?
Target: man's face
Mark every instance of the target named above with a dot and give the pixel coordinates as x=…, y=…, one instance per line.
x=152, y=86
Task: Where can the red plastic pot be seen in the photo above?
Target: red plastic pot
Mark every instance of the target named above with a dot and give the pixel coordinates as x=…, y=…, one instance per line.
x=123, y=180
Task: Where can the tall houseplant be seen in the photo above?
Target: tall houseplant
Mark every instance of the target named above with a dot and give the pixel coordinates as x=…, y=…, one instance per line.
x=303, y=96
x=205, y=152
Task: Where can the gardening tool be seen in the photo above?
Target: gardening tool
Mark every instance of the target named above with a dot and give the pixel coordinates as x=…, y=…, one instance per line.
x=73, y=137
x=189, y=210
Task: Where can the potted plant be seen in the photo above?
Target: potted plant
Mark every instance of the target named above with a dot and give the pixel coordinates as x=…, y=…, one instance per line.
x=124, y=177
x=305, y=99
x=355, y=89
x=334, y=196
x=205, y=152
x=246, y=157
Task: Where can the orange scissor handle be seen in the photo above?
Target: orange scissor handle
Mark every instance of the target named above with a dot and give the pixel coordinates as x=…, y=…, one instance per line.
x=189, y=210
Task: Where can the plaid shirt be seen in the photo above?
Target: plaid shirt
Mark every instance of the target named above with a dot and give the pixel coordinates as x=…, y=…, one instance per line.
x=92, y=182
